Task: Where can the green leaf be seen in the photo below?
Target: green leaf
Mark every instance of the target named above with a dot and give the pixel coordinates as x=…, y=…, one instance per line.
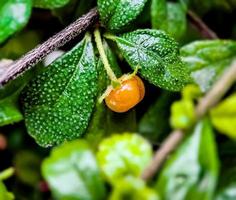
x=117, y=14
x=72, y=172
x=4, y=194
x=50, y=4
x=59, y=102
x=191, y=172
x=182, y=114
x=121, y=155
x=169, y=17
x=159, y=13
x=208, y=59
x=9, y=110
x=132, y=188
x=155, y=122
x=157, y=55
x=14, y=14
x=223, y=116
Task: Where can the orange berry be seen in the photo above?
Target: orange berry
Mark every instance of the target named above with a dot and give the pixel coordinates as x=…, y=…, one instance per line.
x=126, y=96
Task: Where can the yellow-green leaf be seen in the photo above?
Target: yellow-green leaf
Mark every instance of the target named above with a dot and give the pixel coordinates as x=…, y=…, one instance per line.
x=223, y=117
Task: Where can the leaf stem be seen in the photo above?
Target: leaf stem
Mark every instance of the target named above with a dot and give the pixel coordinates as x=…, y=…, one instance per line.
x=205, y=31
x=6, y=173
x=102, y=53
x=110, y=36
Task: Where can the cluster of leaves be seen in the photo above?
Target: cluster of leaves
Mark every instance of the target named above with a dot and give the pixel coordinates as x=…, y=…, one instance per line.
x=100, y=154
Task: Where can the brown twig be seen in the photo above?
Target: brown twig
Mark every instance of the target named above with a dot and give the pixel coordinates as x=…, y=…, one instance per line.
x=38, y=53
x=208, y=101
x=201, y=26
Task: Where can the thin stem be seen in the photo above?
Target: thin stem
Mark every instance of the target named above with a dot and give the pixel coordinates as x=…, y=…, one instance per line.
x=102, y=53
x=201, y=26
x=166, y=148
x=6, y=173
x=38, y=53
x=175, y=138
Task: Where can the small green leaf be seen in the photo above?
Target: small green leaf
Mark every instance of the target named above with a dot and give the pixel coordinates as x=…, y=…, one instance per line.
x=191, y=92
x=50, y=4
x=169, y=17
x=192, y=171
x=121, y=155
x=72, y=172
x=223, y=116
x=155, y=122
x=59, y=102
x=182, y=114
x=4, y=194
x=208, y=59
x=157, y=55
x=132, y=188
x=116, y=14
x=14, y=14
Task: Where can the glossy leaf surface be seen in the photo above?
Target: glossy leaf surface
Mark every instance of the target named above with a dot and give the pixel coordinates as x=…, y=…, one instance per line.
x=59, y=102
x=116, y=14
x=157, y=55
x=208, y=59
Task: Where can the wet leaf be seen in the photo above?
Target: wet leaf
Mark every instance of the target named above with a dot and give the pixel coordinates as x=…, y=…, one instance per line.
x=208, y=59
x=116, y=14
x=157, y=55
x=14, y=14
x=72, y=172
x=189, y=173
x=59, y=102
x=121, y=155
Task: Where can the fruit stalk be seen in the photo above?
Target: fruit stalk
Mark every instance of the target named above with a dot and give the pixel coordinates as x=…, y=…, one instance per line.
x=102, y=53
